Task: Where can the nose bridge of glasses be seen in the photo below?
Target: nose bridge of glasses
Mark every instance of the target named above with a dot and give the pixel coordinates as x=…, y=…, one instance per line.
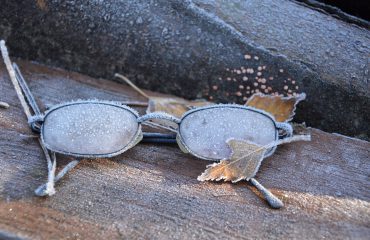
x=159, y=115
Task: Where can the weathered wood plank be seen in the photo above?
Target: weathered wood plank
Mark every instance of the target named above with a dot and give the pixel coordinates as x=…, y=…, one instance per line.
x=151, y=191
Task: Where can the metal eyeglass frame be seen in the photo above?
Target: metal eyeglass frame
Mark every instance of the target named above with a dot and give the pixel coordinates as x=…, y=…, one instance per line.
x=37, y=126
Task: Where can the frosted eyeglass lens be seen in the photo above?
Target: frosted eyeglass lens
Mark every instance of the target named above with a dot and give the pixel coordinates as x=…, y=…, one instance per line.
x=205, y=131
x=89, y=128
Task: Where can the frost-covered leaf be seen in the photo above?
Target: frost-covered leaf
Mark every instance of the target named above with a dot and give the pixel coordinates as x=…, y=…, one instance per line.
x=244, y=162
x=282, y=108
x=173, y=105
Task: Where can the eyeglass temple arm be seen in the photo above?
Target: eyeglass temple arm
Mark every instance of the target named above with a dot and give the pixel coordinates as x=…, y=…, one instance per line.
x=27, y=92
x=286, y=127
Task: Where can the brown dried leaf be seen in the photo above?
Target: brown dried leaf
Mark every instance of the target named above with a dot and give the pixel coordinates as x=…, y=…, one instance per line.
x=244, y=162
x=173, y=105
x=282, y=108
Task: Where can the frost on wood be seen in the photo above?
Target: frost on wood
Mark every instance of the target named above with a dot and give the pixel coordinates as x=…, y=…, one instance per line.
x=205, y=132
x=89, y=128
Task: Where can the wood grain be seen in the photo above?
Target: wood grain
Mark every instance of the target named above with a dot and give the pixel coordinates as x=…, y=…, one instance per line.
x=151, y=191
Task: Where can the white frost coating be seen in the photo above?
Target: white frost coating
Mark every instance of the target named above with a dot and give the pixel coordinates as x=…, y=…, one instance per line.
x=89, y=128
x=206, y=132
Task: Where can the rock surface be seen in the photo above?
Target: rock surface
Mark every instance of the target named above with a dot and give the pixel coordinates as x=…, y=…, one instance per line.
x=220, y=50
x=151, y=191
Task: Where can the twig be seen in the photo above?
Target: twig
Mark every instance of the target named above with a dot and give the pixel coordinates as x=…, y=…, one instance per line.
x=4, y=52
x=126, y=80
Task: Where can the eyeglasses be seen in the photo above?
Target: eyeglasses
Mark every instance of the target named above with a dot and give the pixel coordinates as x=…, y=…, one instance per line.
x=94, y=129
x=97, y=129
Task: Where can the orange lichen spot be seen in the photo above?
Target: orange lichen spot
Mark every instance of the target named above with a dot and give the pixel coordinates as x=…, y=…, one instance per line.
x=245, y=78
x=247, y=56
x=285, y=87
x=215, y=87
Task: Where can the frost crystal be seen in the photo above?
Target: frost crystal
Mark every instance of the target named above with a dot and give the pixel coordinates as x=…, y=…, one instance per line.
x=89, y=128
x=206, y=132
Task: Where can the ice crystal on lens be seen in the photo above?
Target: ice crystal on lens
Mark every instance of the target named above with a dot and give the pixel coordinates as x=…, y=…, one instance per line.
x=89, y=128
x=206, y=132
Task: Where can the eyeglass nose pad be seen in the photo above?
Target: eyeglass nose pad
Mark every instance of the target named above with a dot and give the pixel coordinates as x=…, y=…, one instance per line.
x=159, y=115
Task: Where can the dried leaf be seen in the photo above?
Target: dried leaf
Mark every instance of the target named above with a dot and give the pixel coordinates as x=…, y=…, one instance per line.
x=282, y=108
x=244, y=162
x=175, y=106
x=172, y=105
